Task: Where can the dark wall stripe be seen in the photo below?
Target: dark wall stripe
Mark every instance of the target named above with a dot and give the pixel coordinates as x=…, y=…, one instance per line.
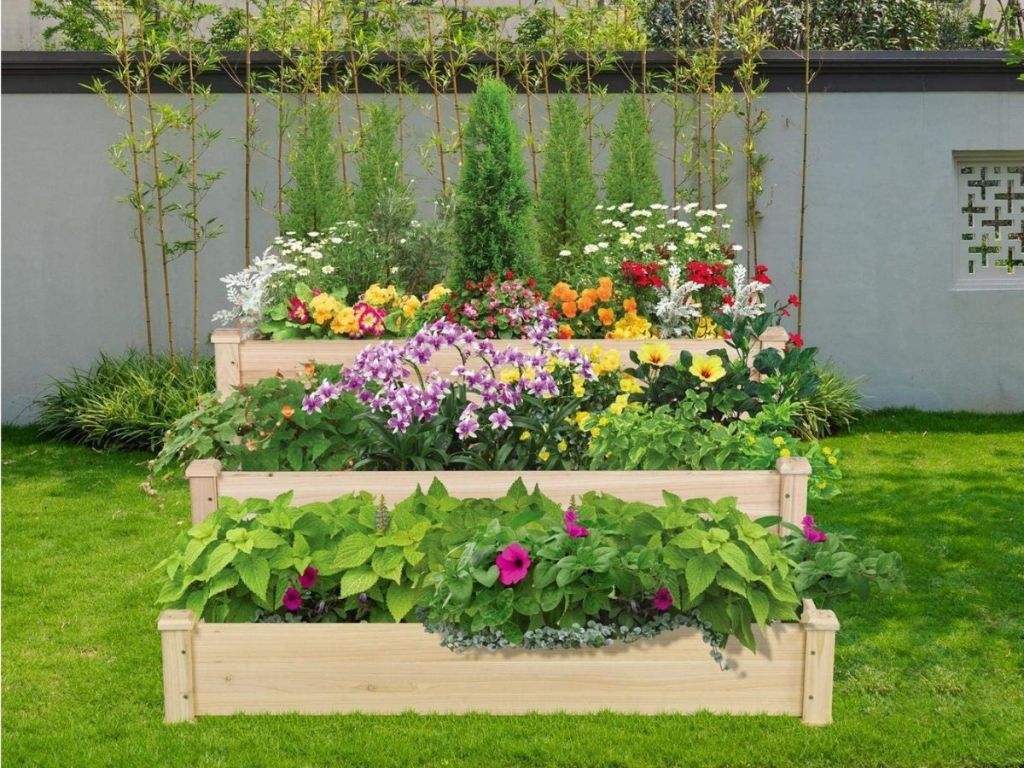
x=27, y=72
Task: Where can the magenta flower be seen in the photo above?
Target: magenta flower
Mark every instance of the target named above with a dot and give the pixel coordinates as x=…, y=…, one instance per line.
x=500, y=420
x=513, y=562
x=574, y=530
x=662, y=600
x=298, y=311
x=307, y=579
x=812, y=534
x=292, y=599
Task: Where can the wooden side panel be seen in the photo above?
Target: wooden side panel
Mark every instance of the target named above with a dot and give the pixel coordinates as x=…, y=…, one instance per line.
x=395, y=668
x=227, y=348
x=819, y=663
x=757, y=491
x=260, y=359
x=203, y=477
x=176, y=634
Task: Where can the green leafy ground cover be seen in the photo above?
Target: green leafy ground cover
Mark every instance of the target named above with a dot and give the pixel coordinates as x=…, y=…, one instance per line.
x=930, y=677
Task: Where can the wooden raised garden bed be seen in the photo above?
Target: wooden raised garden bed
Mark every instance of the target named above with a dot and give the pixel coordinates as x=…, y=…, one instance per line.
x=220, y=669
x=244, y=361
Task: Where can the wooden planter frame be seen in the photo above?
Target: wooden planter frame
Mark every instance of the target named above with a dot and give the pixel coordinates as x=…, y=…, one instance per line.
x=244, y=361
x=221, y=669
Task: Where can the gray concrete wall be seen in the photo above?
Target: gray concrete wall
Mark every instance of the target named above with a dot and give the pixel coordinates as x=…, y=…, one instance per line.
x=878, y=288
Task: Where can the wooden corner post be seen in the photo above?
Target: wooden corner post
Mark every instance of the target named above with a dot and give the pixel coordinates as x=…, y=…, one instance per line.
x=820, y=629
x=794, y=471
x=176, y=629
x=203, y=477
x=773, y=338
x=227, y=349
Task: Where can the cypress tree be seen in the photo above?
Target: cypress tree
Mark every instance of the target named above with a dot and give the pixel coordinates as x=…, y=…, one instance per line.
x=568, y=193
x=632, y=175
x=494, y=224
x=316, y=199
x=379, y=166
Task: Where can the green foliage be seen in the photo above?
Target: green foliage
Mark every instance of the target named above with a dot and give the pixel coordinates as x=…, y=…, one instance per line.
x=632, y=175
x=494, y=208
x=124, y=402
x=77, y=25
x=833, y=569
x=833, y=405
x=379, y=165
x=710, y=557
x=261, y=426
x=568, y=195
x=316, y=199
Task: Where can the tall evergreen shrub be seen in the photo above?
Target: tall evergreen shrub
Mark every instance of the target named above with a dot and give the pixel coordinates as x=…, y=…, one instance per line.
x=494, y=223
x=316, y=199
x=568, y=193
x=379, y=166
x=632, y=175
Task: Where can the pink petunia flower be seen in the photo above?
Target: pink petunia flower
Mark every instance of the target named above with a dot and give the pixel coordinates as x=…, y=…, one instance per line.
x=292, y=600
x=812, y=534
x=572, y=528
x=662, y=600
x=513, y=563
x=307, y=579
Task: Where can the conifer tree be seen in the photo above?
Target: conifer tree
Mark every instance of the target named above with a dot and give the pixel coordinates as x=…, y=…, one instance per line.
x=316, y=198
x=379, y=166
x=632, y=175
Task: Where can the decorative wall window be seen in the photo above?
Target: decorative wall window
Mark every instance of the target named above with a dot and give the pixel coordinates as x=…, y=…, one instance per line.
x=990, y=220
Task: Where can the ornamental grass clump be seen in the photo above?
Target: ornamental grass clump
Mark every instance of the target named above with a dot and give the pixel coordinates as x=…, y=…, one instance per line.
x=494, y=223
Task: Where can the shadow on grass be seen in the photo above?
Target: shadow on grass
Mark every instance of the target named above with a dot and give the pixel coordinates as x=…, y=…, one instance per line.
x=913, y=420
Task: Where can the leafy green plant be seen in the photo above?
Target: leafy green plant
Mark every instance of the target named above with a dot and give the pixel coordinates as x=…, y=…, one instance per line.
x=568, y=195
x=610, y=564
x=316, y=198
x=124, y=402
x=494, y=207
x=632, y=175
x=833, y=405
x=379, y=164
x=830, y=568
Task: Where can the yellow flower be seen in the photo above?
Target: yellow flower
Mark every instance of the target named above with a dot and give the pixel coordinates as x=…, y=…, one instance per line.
x=595, y=432
x=784, y=452
x=822, y=484
x=779, y=442
x=410, y=305
x=525, y=435
x=603, y=421
x=706, y=329
x=630, y=384
x=655, y=354
x=577, y=385
x=437, y=292
x=581, y=418
x=631, y=326
x=620, y=404
x=562, y=446
x=708, y=368
x=827, y=451
x=832, y=460
x=345, y=322
x=751, y=439
x=508, y=375
x=324, y=307
x=378, y=297
x=544, y=455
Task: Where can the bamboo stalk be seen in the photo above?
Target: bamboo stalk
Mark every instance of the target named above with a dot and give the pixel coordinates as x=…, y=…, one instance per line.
x=194, y=218
x=247, y=248
x=803, y=167
x=158, y=187
x=439, y=137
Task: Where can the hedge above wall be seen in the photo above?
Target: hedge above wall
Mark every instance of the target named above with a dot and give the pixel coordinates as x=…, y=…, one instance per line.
x=34, y=72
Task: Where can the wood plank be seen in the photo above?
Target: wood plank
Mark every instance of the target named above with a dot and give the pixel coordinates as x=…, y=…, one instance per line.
x=396, y=668
x=757, y=491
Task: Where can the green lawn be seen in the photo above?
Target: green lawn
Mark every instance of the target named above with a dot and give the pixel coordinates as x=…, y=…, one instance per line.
x=933, y=676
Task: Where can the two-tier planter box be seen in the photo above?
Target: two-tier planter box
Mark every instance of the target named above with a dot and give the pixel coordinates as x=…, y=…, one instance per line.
x=220, y=669
x=244, y=361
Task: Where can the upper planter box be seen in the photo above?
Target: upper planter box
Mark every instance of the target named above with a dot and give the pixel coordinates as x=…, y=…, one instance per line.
x=244, y=361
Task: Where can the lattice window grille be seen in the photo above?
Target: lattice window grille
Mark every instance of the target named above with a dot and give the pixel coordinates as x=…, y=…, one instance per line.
x=990, y=204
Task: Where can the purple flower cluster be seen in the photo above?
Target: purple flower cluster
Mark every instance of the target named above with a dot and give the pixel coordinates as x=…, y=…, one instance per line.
x=382, y=377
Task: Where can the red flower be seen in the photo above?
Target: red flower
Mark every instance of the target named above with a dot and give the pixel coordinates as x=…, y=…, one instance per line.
x=796, y=340
x=292, y=600
x=728, y=300
x=762, y=275
x=662, y=600
x=510, y=275
x=297, y=310
x=307, y=579
x=784, y=312
x=794, y=300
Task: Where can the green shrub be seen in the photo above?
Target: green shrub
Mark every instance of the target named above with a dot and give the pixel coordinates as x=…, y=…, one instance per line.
x=568, y=194
x=829, y=407
x=494, y=207
x=632, y=175
x=124, y=402
x=379, y=164
x=315, y=199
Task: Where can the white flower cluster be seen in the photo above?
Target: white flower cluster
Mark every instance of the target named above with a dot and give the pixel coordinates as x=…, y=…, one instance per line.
x=676, y=304
x=246, y=290
x=747, y=298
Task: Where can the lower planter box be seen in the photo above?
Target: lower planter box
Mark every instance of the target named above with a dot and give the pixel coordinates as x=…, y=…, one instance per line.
x=244, y=361
x=224, y=669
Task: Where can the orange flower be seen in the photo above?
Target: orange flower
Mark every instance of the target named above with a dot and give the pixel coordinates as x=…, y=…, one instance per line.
x=562, y=292
x=310, y=369
x=564, y=332
x=569, y=309
x=287, y=411
x=586, y=303
x=629, y=304
x=604, y=288
x=607, y=316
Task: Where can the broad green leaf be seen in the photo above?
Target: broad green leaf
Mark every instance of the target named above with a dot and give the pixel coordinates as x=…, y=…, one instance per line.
x=700, y=572
x=218, y=560
x=401, y=599
x=388, y=563
x=736, y=559
x=357, y=581
x=759, y=604
x=255, y=573
x=355, y=549
x=692, y=538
